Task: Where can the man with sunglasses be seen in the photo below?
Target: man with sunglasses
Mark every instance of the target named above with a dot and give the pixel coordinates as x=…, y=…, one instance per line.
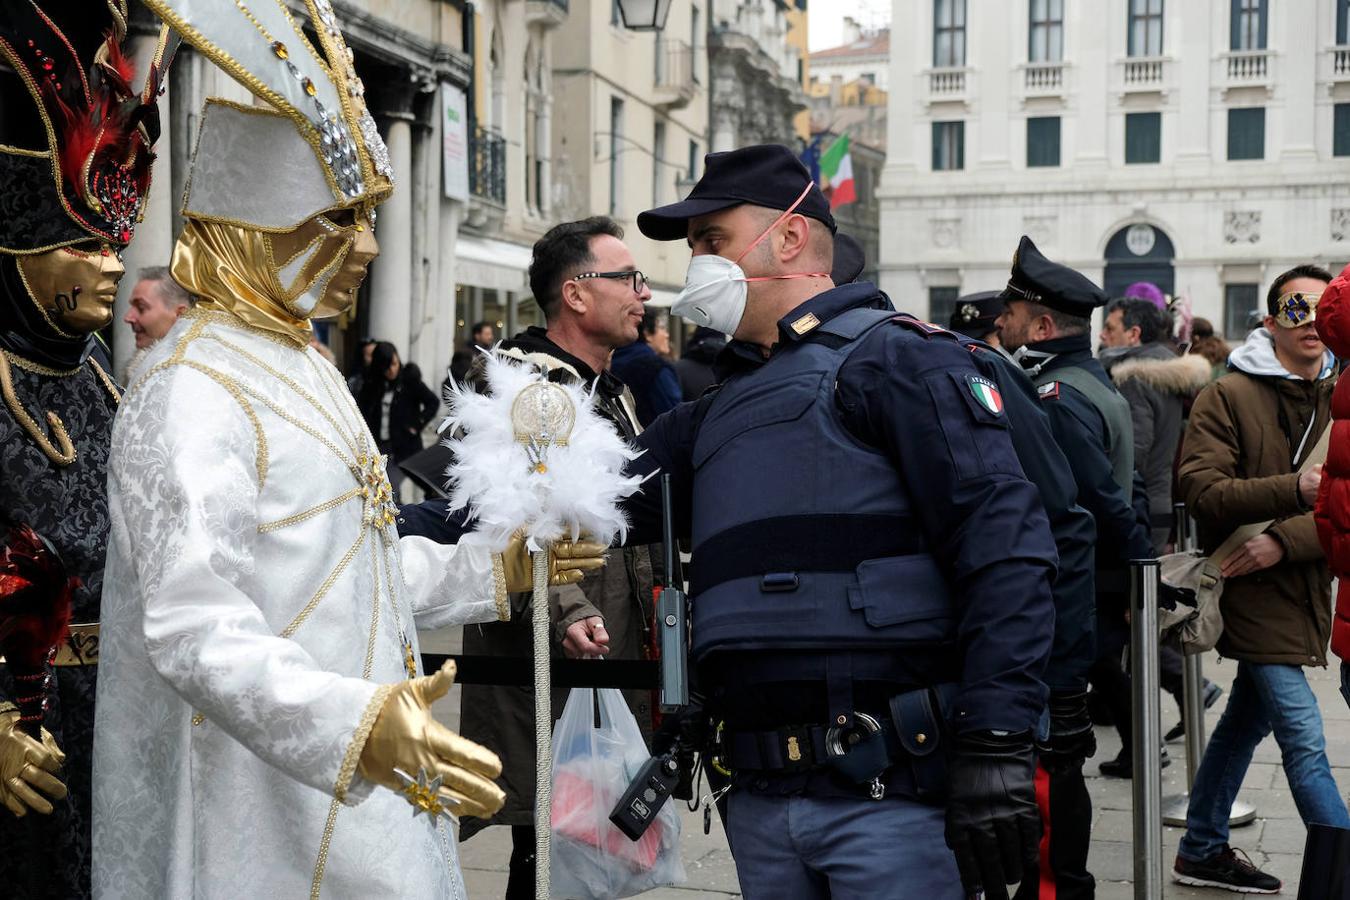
x=870, y=578
x=585, y=280
x=1245, y=460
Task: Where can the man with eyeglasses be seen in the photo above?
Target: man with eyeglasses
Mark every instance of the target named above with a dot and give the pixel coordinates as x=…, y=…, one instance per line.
x=1250, y=463
x=584, y=279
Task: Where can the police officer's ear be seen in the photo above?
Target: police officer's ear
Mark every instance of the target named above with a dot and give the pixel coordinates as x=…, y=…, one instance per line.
x=794, y=238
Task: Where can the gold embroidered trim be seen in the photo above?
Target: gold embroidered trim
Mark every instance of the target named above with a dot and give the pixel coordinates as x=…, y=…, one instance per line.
x=228, y=319
x=324, y=844
x=198, y=718
x=107, y=382
x=24, y=151
x=37, y=368
x=499, y=596
x=352, y=757
x=310, y=513
x=324, y=588
x=62, y=453
x=369, y=666
x=6, y=706
x=290, y=383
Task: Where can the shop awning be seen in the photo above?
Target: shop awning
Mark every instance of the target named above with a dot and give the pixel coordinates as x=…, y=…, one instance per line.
x=489, y=263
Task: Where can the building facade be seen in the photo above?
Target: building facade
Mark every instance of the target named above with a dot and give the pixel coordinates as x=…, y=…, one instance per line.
x=759, y=68
x=636, y=124
x=1200, y=145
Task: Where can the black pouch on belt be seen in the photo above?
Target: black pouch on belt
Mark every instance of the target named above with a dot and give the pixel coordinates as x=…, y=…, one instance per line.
x=920, y=722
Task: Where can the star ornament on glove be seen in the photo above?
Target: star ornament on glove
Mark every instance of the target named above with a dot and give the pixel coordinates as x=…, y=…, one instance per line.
x=424, y=795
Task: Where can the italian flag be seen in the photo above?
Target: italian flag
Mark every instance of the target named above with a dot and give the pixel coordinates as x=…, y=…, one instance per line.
x=836, y=168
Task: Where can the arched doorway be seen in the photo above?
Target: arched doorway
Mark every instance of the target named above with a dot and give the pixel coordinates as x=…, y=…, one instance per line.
x=1139, y=252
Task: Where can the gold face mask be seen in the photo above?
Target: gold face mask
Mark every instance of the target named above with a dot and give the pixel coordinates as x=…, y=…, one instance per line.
x=73, y=287
x=320, y=265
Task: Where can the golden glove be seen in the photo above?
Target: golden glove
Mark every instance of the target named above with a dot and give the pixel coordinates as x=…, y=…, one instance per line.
x=568, y=563
x=405, y=737
x=26, y=767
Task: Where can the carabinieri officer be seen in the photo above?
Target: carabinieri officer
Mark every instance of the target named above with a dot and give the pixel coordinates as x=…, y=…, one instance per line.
x=871, y=569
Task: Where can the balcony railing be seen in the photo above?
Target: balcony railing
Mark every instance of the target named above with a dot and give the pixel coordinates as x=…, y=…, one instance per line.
x=1044, y=78
x=676, y=80
x=1143, y=73
x=1340, y=63
x=947, y=83
x=1248, y=66
x=487, y=166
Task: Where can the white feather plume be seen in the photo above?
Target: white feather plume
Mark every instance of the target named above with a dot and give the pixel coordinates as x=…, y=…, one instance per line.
x=494, y=478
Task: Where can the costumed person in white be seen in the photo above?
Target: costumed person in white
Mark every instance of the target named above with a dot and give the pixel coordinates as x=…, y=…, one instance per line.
x=261, y=729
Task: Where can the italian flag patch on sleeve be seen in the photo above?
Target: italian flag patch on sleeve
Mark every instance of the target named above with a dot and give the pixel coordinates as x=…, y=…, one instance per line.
x=985, y=393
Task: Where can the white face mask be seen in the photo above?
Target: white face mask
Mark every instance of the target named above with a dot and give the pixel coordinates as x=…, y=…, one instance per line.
x=715, y=288
x=714, y=294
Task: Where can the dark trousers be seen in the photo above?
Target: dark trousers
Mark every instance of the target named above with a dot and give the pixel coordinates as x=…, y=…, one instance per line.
x=1066, y=832
x=520, y=875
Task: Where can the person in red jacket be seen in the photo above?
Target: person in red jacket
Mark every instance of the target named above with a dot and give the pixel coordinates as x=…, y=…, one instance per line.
x=1332, y=512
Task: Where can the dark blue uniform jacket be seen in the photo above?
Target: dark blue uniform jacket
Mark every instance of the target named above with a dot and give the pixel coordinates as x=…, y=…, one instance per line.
x=1080, y=430
x=901, y=391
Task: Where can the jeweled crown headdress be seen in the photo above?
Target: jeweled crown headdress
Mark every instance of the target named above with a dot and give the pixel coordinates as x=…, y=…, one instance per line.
x=75, y=137
x=313, y=148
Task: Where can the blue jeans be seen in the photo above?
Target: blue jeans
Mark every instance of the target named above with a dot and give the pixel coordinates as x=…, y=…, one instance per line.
x=834, y=848
x=1264, y=698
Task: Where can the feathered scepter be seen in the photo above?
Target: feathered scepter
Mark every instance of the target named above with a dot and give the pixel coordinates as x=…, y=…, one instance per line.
x=534, y=457
x=35, y=603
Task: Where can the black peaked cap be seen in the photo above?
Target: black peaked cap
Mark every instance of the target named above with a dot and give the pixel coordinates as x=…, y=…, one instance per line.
x=976, y=315
x=1040, y=280
x=768, y=175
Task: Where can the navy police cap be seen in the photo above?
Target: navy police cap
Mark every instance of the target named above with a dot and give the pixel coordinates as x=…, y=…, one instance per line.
x=976, y=315
x=768, y=175
x=1039, y=280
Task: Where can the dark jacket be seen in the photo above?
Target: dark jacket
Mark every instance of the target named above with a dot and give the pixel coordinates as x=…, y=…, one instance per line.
x=695, y=368
x=413, y=406
x=1158, y=384
x=650, y=378
x=1237, y=468
x=906, y=392
x=1333, y=500
x=1080, y=431
x=502, y=717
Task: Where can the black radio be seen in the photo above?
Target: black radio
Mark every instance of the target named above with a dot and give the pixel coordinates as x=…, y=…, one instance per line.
x=648, y=792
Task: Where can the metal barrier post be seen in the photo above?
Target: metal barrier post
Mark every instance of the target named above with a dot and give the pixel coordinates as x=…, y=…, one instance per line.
x=1147, y=783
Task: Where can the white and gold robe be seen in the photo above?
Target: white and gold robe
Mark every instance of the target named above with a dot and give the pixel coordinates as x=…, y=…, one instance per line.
x=257, y=597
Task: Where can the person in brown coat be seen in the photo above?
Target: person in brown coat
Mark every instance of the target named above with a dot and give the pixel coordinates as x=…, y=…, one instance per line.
x=592, y=296
x=1249, y=434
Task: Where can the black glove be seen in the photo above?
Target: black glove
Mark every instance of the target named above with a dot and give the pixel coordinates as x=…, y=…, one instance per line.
x=993, y=825
x=1071, y=739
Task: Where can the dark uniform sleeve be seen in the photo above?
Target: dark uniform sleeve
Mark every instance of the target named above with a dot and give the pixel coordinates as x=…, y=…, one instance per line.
x=668, y=446
x=911, y=396
x=1078, y=428
x=1071, y=525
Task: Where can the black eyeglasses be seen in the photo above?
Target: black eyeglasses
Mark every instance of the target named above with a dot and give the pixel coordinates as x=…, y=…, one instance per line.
x=639, y=281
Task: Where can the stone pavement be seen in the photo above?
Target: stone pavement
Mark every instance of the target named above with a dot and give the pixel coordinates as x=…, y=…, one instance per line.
x=1274, y=841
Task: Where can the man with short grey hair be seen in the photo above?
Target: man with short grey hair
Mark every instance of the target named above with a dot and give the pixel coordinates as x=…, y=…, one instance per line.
x=156, y=303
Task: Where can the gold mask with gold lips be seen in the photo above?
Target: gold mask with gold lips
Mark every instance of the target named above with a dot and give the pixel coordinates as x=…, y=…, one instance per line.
x=73, y=287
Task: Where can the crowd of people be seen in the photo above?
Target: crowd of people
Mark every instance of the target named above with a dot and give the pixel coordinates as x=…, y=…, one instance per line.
x=907, y=542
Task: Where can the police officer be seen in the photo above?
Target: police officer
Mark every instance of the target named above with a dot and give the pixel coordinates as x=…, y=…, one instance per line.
x=976, y=315
x=870, y=577
x=1046, y=327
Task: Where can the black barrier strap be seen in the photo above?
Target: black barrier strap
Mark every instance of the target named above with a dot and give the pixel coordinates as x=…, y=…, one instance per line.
x=626, y=674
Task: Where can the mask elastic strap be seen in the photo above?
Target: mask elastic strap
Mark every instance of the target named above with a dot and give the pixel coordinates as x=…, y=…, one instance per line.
x=776, y=222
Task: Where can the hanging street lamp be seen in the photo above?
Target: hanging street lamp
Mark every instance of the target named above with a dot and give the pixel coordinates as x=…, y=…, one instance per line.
x=644, y=15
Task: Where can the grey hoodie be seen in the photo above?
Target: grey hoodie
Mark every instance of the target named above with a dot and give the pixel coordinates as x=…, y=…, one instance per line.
x=1256, y=356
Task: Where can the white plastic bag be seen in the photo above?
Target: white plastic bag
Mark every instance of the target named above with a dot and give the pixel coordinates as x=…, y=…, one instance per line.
x=597, y=751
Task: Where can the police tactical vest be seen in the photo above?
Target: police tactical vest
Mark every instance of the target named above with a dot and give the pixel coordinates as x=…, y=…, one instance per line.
x=803, y=537
x=1115, y=412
